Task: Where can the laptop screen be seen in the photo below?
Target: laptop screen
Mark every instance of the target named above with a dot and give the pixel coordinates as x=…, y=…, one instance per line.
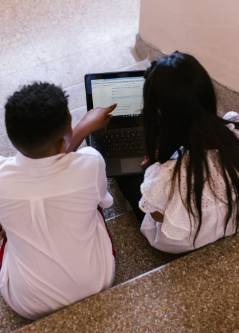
x=127, y=92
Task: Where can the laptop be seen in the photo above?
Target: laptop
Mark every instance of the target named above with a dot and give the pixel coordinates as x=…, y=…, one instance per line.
x=122, y=142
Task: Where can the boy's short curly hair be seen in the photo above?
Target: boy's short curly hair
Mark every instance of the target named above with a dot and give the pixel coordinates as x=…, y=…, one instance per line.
x=36, y=114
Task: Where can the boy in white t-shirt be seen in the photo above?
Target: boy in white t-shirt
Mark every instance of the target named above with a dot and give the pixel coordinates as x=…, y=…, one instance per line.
x=58, y=250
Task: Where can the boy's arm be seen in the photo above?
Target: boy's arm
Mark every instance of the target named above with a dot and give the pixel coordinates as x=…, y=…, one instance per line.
x=93, y=120
x=2, y=233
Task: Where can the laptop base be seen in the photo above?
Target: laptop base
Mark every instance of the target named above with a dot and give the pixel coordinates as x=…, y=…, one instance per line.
x=123, y=166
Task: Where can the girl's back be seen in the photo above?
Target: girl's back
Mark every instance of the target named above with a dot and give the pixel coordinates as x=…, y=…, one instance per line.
x=178, y=229
x=192, y=200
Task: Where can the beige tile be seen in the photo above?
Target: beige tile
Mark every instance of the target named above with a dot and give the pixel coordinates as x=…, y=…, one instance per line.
x=6, y=148
x=58, y=28
x=61, y=40
x=69, y=71
x=15, y=49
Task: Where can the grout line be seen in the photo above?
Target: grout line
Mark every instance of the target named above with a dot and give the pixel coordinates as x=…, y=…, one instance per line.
x=145, y=273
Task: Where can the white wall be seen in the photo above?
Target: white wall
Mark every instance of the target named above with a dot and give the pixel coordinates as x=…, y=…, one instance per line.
x=208, y=29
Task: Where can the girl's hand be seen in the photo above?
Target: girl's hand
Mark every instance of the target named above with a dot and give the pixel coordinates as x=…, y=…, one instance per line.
x=157, y=216
x=145, y=163
x=98, y=118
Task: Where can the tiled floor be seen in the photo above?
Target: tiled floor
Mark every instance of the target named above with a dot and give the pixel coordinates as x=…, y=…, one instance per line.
x=61, y=40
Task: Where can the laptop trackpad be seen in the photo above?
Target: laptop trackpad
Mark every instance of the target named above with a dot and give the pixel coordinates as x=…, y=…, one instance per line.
x=130, y=165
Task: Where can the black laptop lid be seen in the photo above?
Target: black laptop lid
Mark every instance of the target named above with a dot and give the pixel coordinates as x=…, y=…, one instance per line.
x=123, y=88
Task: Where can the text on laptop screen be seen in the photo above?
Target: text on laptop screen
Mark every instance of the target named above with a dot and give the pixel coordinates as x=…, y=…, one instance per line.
x=127, y=93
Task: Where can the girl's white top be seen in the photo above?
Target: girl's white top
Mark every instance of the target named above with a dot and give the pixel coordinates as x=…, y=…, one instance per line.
x=58, y=249
x=175, y=234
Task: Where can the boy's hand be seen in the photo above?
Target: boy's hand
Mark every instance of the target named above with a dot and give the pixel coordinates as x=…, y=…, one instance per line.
x=93, y=120
x=98, y=118
x=145, y=163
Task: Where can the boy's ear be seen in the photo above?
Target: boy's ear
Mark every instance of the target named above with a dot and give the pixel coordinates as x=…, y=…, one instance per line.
x=63, y=147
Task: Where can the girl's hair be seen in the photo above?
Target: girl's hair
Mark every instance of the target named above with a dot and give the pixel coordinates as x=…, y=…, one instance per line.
x=180, y=110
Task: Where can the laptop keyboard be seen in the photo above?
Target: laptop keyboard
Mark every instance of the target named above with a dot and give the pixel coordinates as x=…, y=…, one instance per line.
x=121, y=143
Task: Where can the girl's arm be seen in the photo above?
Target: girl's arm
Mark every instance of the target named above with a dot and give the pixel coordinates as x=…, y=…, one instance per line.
x=93, y=120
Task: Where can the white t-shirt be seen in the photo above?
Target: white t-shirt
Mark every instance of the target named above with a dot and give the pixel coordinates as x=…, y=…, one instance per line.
x=58, y=249
x=176, y=232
